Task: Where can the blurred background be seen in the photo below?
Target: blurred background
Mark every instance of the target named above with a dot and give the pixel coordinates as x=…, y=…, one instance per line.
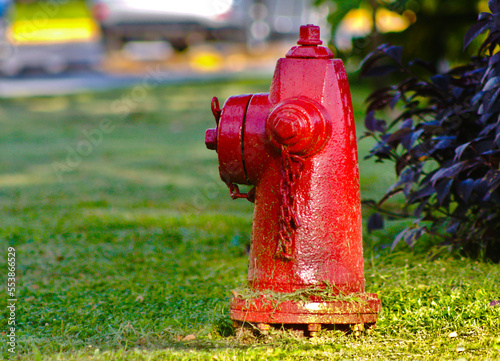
x=121, y=37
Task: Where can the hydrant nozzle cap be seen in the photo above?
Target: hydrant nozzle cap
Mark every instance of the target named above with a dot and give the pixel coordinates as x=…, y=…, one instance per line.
x=211, y=138
x=309, y=35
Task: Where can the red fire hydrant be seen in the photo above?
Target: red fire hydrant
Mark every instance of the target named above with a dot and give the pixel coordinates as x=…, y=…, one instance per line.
x=297, y=146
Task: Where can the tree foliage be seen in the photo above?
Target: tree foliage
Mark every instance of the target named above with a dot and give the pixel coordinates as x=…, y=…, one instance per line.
x=444, y=141
x=430, y=39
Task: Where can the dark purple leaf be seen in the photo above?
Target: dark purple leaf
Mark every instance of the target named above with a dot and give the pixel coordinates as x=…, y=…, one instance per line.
x=380, y=102
x=492, y=101
x=401, y=163
x=443, y=190
x=495, y=303
x=423, y=64
x=395, y=53
x=408, y=175
x=407, y=141
x=483, y=144
x=410, y=139
x=376, y=221
x=407, y=189
x=492, y=83
x=407, y=123
x=415, y=136
x=476, y=98
x=445, y=142
x=398, y=134
x=457, y=92
x=497, y=140
x=379, y=93
x=381, y=151
x=464, y=189
x=418, y=211
x=395, y=99
x=398, y=238
x=413, y=235
x=494, y=60
x=369, y=61
x=491, y=216
x=428, y=92
x=408, y=84
x=491, y=152
x=423, y=193
x=484, y=16
x=441, y=81
x=480, y=188
x=490, y=182
x=494, y=6
x=453, y=227
x=373, y=124
x=485, y=117
x=486, y=130
x=459, y=151
x=447, y=172
x=381, y=70
x=475, y=30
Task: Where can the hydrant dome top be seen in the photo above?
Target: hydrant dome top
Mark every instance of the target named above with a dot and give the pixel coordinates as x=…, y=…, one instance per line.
x=308, y=45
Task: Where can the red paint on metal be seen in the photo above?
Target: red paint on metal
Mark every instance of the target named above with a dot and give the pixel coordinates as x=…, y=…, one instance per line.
x=265, y=310
x=297, y=146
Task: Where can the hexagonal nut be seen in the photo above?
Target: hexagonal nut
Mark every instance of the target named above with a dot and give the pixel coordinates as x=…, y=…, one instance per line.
x=285, y=128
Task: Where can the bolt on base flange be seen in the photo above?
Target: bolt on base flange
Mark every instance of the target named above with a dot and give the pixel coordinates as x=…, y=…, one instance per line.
x=299, y=330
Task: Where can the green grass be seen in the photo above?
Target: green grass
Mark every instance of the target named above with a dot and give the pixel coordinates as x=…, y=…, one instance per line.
x=140, y=245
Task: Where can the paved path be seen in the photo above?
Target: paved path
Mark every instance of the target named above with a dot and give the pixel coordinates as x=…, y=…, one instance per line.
x=39, y=85
x=83, y=81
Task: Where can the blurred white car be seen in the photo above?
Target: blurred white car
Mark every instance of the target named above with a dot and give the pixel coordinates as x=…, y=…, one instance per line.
x=183, y=22
x=177, y=21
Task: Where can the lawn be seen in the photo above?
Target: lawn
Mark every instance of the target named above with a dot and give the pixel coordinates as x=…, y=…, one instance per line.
x=130, y=251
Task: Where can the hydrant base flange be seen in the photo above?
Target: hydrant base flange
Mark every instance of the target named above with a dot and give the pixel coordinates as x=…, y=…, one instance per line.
x=363, y=310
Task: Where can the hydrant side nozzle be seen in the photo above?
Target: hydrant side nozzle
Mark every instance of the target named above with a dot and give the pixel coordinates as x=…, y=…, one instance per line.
x=300, y=125
x=211, y=138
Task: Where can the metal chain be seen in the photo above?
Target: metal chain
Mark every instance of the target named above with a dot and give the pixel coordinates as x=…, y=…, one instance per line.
x=289, y=221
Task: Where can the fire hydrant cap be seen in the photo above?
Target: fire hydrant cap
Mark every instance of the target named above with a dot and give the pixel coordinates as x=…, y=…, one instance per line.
x=308, y=45
x=309, y=35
